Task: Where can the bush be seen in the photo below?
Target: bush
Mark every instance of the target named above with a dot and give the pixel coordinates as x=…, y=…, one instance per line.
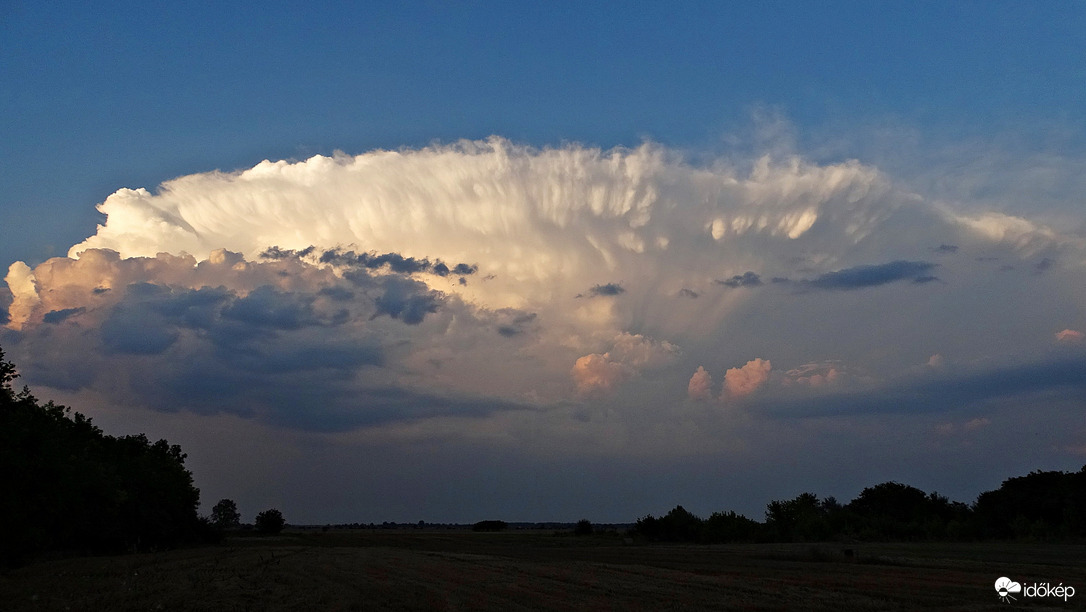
x=269, y=522
x=583, y=528
x=489, y=526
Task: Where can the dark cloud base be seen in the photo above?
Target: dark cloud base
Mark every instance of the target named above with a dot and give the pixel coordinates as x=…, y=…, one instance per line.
x=609, y=289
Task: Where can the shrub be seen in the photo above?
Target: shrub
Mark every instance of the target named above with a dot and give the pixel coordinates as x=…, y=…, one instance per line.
x=583, y=528
x=489, y=526
x=269, y=522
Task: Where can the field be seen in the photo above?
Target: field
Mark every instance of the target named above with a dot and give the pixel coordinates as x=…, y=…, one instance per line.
x=541, y=570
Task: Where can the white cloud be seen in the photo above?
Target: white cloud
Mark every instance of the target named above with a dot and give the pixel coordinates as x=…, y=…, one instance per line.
x=23, y=287
x=457, y=270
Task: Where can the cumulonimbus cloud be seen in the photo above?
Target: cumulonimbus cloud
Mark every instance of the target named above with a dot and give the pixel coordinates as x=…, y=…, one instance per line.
x=456, y=269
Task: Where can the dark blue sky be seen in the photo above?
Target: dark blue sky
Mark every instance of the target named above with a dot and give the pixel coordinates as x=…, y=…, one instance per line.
x=102, y=95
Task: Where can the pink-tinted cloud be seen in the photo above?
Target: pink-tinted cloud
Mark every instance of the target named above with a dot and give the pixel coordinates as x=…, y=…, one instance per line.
x=1069, y=335
x=598, y=373
x=700, y=386
x=740, y=382
x=629, y=354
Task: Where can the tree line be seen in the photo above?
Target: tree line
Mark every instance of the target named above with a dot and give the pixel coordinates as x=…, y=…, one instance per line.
x=1047, y=506
x=70, y=487
x=67, y=486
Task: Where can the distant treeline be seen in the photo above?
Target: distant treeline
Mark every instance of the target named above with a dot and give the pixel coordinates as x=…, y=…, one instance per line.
x=69, y=487
x=1040, y=506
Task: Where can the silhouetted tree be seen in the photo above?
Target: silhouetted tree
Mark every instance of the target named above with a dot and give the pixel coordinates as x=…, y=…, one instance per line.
x=583, y=528
x=799, y=519
x=891, y=510
x=489, y=526
x=1040, y=505
x=69, y=486
x=729, y=527
x=678, y=525
x=270, y=521
x=225, y=515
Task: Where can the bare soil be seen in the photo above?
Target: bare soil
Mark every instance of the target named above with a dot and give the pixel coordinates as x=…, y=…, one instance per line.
x=533, y=570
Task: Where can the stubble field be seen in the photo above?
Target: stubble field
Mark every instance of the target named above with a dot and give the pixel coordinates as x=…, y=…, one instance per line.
x=535, y=570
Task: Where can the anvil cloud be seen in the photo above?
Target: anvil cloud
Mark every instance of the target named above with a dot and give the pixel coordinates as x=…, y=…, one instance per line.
x=509, y=297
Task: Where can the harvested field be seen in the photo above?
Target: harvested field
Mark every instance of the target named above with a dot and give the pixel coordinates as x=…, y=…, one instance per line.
x=531, y=570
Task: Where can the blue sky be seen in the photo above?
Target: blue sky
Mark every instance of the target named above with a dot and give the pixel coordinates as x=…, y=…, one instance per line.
x=690, y=234
x=117, y=94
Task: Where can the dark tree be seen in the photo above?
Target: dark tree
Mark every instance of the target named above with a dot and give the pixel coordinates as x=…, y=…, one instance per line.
x=799, y=519
x=729, y=527
x=1040, y=505
x=269, y=521
x=583, y=528
x=68, y=486
x=678, y=525
x=896, y=511
x=225, y=514
x=489, y=526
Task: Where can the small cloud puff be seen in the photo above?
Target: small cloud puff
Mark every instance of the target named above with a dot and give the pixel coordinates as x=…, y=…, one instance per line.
x=1069, y=336
x=740, y=382
x=597, y=372
x=630, y=353
x=700, y=387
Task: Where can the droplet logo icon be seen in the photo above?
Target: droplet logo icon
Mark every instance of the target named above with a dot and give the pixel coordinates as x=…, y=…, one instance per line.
x=1005, y=586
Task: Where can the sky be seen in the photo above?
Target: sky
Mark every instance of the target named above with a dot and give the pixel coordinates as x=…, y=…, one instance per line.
x=545, y=262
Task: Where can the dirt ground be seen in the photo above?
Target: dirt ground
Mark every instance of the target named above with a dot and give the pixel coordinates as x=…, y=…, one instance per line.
x=531, y=570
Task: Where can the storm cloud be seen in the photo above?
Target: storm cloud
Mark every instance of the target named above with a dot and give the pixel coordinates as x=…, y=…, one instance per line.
x=622, y=304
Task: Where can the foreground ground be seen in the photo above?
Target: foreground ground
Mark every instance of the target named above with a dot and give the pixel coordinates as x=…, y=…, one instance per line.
x=414, y=570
